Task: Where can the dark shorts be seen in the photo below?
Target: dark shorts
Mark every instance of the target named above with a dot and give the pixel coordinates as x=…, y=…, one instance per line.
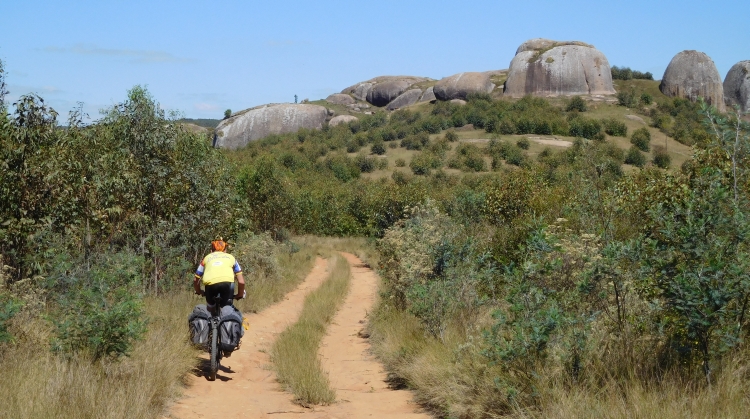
x=225, y=291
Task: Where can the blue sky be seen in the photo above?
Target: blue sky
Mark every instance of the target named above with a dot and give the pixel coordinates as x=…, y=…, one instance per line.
x=202, y=57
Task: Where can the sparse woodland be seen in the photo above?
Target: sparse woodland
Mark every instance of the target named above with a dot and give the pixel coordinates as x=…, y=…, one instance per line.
x=522, y=281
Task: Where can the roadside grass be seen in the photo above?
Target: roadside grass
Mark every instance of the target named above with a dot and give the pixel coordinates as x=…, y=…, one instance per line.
x=288, y=267
x=453, y=379
x=40, y=384
x=295, y=352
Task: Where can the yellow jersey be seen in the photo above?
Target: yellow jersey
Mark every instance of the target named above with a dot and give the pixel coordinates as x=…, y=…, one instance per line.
x=218, y=267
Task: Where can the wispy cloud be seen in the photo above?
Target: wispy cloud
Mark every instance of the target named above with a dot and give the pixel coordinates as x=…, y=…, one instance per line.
x=205, y=107
x=136, y=55
x=24, y=89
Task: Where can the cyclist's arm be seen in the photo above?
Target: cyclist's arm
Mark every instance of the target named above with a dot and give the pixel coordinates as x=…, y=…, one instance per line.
x=197, y=279
x=240, y=281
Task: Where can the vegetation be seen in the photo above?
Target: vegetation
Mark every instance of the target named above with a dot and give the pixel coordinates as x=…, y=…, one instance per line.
x=625, y=73
x=517, y=280
x=295, y=351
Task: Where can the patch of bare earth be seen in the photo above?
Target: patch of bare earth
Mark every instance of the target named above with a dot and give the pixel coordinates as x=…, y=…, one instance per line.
x=247, y=388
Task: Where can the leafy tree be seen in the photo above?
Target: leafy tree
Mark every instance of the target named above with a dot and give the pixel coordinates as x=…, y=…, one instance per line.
x=227, y=113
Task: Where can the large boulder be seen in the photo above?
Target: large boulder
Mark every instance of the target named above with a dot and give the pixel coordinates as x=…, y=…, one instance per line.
x=428, y=95
x=692, y=74
x=460, y=85
x=737, y=86
x=407, y=98
x=262, y=121
x=543, y=67
x=380, y=91
x=340, y=99
x=341, y=119
x=383, y=93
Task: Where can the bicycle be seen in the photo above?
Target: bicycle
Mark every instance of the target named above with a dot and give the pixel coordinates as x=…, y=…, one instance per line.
x=214, y=339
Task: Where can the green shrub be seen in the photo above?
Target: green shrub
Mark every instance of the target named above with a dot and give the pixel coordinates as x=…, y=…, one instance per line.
x=400, y=162
x=422, y=163
x=382, y=164
x=615, y=128
x=523, y=143
x=635, y=157
x=515, y=156
x=576, y=103
x=585, y=128
x=8, y=308
x=416, y=141
x=378, y=147
x=627, y=99
x=451, y=135
x=365, y=163
x=641, y=138
x=661, y=157
x=227, y=113
x=646, y=98
x=101, y=312
x=393, y=144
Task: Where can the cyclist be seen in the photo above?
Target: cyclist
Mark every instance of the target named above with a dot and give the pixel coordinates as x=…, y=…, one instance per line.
x=217, y=272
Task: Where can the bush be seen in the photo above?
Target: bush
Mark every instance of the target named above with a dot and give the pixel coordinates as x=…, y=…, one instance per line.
x=635, y=157
x=523, y=143
x=451, y=136
x=378, y=147
x=576, y=103
x=8, y=308
x=627, y=99
x=400, y=162
x=615, y=128
x=661, y=157
x=585, y=128
x=641, y=139
x=625, y=73
x=423, y=162
x=515, y=156
x=416, y=141
x=365, y=164
x=646, y=98
x=227, y=113
x=101, y=312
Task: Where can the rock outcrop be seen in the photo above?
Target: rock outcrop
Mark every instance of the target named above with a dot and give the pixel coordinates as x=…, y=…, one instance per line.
x=380, y=91
x=459, y=86
x=340, y=99
x=341, y=119
x=692, y=74
x=262, y=121
x=737, y=86
x=543, y=67
x=428, y=95
x=407, y=98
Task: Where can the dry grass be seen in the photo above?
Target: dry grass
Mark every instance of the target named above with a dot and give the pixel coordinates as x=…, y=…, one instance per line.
x=291, y=269
x=295, y=352
x=39, y=384
x=453, y=379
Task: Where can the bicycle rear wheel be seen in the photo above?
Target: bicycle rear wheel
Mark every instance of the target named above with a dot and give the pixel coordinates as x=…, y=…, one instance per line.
x=214, y=353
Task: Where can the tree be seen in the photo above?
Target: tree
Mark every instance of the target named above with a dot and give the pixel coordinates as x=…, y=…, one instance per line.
x=227, y=113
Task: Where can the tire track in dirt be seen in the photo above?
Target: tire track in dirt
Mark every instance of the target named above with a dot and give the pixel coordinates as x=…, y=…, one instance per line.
x=251, y=389
x=246, y=386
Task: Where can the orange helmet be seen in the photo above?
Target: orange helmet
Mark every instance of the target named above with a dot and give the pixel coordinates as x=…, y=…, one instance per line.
x=218, y=245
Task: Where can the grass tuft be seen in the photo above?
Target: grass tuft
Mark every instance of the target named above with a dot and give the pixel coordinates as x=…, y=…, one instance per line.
x=295, y=352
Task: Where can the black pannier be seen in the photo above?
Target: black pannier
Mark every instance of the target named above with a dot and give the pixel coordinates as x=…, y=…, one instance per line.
x=230, y=328
x=199, y=325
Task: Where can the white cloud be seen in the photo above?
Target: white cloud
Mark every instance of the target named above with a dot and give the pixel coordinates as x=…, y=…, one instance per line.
x=205, y=107
x=137, y=56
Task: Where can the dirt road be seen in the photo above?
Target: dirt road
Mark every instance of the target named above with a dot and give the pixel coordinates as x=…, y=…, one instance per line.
x=247, y=387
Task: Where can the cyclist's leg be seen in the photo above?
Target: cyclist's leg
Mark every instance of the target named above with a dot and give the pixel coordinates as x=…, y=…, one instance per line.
x=211, y=292
x=225, y=291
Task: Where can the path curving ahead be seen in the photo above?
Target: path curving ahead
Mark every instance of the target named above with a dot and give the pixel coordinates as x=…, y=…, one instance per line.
x=250, y=389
